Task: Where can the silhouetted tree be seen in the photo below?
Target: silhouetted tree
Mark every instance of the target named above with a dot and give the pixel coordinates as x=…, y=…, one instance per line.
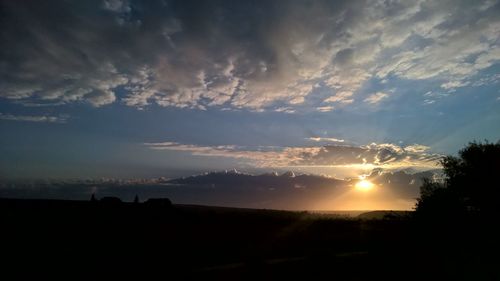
x=92, y=198
x=136, y=199
x=471, y=185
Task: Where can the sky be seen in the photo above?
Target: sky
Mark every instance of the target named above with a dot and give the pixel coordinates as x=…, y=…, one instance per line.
x=128, y=89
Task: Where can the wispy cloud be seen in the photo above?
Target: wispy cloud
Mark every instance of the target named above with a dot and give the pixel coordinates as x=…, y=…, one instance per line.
x=376, y=98
x=34, y=118
x=342, y=97
x=261, y=156
x=325, y=108
x=388, y=156
x=285, y=109
x=318, y=139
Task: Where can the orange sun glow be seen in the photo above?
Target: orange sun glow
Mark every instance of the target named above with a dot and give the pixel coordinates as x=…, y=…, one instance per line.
x=364, y=185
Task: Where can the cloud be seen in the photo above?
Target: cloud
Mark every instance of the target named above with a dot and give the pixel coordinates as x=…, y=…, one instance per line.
x=343, y=97
x=417, y=148
x=285, y=109
x=318, y=139
x=117, y=6
x=376, y=98
x=324, y=108
x=253, y=56
x=387, y=156
x=31, y=118
x=259, y=156
x=454, y=84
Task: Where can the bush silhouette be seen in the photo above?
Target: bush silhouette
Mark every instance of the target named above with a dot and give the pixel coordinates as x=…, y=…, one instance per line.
x=470, y=186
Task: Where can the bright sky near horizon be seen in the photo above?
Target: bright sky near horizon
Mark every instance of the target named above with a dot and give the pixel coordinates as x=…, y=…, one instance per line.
x=120, y=88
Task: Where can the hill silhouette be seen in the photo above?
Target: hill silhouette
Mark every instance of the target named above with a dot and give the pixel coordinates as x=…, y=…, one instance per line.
x=101, y=237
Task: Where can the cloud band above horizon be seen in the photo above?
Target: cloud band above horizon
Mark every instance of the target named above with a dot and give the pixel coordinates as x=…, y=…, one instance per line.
x=372, y=156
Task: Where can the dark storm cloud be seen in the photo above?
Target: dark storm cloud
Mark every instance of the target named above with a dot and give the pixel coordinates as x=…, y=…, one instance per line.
x=175, y=52
x=248, y=54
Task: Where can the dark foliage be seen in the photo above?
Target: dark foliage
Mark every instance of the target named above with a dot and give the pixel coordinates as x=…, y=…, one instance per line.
x=457, y=216
x=470, y=188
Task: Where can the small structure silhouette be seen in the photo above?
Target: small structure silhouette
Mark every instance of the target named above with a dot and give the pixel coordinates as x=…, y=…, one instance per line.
x=136, y=199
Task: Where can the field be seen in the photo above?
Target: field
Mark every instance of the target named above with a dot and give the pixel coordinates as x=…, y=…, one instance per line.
x=83, y=238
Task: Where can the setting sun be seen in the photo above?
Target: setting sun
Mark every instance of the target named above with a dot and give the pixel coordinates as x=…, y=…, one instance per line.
x=364, y=185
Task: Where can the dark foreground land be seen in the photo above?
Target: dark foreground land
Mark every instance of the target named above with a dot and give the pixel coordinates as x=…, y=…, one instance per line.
x=76, y=239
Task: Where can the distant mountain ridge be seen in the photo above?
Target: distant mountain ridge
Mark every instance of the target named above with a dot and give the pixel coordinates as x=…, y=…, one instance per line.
x=237, y=179
x=291, y=187
x=231, y=188
x=290, y=179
